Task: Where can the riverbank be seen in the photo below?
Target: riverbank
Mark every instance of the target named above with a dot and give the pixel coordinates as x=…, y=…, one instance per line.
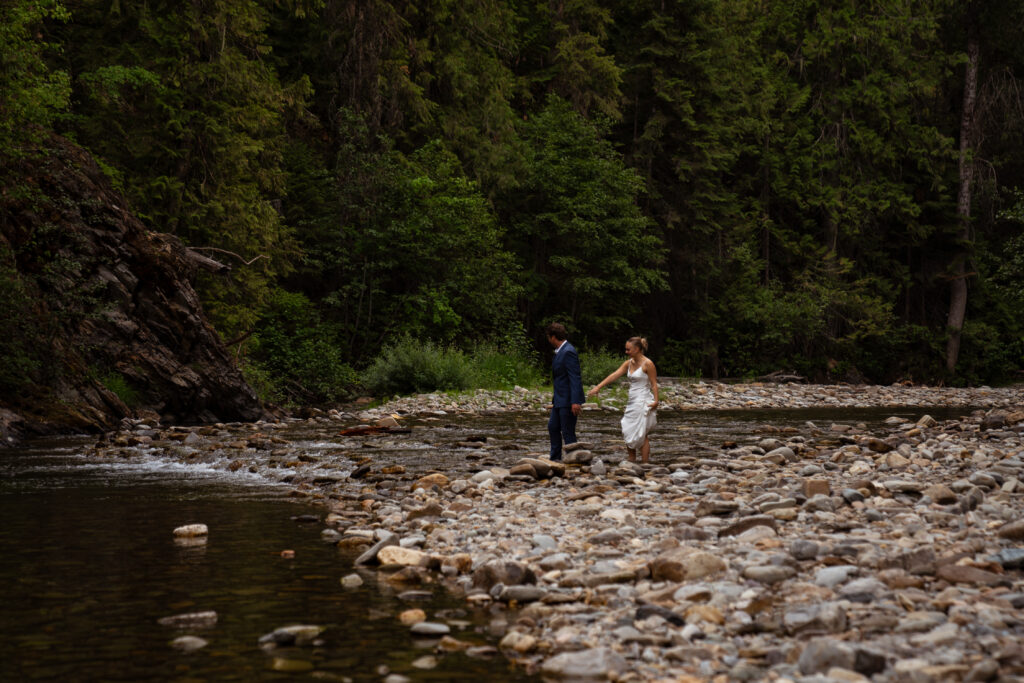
x=701, y=395
x=888, y=551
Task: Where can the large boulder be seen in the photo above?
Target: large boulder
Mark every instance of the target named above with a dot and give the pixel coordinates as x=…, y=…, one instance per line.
x=116, y=300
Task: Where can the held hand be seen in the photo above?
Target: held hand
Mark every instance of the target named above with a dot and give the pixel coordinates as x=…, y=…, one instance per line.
x=576, y=408
x=654, y=405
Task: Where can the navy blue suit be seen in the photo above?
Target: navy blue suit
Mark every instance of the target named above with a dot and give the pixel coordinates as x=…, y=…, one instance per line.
x=568, y=390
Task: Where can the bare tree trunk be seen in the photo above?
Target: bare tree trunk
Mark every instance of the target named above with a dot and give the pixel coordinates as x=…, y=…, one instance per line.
x=958, y=287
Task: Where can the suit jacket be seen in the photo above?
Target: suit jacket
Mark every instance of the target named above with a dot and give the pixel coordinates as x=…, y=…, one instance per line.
x=566, y=378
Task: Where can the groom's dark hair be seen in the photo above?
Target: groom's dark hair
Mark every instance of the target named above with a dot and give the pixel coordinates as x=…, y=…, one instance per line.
x=556, y=330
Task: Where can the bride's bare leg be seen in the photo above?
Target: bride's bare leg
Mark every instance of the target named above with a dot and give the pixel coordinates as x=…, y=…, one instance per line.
x=632, y=454
x=645, y=450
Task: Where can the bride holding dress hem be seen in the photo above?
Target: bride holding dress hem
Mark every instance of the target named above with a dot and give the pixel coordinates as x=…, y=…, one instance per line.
x=640, y=416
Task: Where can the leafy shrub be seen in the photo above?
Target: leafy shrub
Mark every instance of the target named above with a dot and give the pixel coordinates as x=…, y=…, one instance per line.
x=497, y=367
x=119, y=386
x=296, y=357
x=409, y=365
x=596, y=365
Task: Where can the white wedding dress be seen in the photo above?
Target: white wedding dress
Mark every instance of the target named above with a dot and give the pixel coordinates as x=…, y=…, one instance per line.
x=638, y=419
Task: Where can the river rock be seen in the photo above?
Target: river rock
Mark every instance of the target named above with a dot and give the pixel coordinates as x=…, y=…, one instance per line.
x=521, y=594
x=746, y=524
x=507, y=572
x=430, y=629
x=189, y=643
x=830, y=577
x=955, y=573
x=1013, y=531
x=804, y=550
x=1010, y=558
x=519, y=642
x=352, y=581
x=867, y=589
x=206, y=619
x=600, y=663
x=298, y=635
x=370, y=556
x=716, y=507
x=191, y=530
x=686, y=564
x=822, y=618
x=769, y=573
x=822, y=654
x=412, y=616
x=431, y=480
x=579, y=457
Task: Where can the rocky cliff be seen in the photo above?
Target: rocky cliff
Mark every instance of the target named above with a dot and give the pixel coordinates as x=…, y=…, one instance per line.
x=101, y=318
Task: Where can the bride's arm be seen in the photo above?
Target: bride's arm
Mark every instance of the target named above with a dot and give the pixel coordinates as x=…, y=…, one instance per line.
x=609, y=379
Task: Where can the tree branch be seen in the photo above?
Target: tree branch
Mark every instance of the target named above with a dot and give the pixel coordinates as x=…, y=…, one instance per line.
x=231, y=253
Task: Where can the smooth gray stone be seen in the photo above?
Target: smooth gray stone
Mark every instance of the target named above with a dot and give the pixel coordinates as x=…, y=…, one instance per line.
x=556, y=561
x=544, y=542
x=521, y=593
x=804, y=550
x=830, y=577
x=822, y=654
x=864, y=590
x=826, y=617
x=429, y=628
x=1010, y=558
x=599, y=663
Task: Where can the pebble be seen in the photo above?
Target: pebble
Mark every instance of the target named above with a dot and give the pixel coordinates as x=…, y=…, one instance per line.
x=352, y=581
x=431, y=629
x=189, y=643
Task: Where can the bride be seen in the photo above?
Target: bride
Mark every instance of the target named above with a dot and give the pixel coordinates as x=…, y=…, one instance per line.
x=640, y=416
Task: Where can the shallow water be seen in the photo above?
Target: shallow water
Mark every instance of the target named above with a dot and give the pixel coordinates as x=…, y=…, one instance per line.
x=90, y=565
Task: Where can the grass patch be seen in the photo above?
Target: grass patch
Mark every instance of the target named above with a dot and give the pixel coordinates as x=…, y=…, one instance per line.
x=119, y=386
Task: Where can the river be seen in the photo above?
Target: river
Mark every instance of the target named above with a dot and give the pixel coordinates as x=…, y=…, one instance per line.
x=90, y=564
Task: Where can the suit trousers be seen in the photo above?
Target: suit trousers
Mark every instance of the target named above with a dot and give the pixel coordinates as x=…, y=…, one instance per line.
x=561, y=427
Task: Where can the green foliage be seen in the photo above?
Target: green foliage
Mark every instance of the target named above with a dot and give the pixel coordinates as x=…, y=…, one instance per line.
x=495, y=367
x=591, y=253
x=295, y=357
x=766, y=185
x=682, y=358
x=410, y=365
x=34, y=94
x=414, y=248
x=596, y=365
x=119, y=386
x=179, y=99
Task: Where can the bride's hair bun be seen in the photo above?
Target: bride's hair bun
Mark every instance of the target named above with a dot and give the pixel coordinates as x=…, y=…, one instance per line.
x=640, y=342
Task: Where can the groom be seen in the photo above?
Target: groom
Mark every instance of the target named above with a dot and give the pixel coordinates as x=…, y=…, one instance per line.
x=568, y=390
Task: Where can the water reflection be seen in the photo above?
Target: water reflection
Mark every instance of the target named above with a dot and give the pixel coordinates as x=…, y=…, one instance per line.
x=91, y=566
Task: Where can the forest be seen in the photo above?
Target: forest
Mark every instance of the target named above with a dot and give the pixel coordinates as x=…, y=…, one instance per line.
x=833, y=189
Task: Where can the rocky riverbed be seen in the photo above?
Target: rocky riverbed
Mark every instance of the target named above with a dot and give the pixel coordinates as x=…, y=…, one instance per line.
x=888, y=549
